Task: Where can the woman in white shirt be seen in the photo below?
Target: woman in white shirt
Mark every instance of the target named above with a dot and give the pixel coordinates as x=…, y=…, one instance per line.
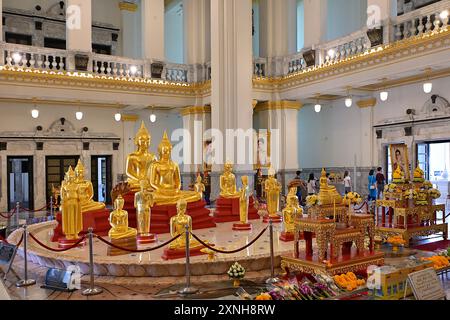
x=347, y=182
x=311, y=185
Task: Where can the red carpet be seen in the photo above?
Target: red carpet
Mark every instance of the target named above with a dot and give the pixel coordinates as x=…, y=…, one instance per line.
x=444, y=244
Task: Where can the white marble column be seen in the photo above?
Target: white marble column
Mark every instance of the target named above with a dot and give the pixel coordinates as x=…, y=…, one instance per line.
x=79, y=25
x=153, y=29
x=197, y=31
x=278, y=27
x=231, y=84
x=315, y=22
x=131, y=31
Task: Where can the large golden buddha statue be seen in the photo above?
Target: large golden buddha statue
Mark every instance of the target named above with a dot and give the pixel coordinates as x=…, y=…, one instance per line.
x=86, y=191
x=178, y=225
x=119, y=222
x=228, y=182
x=328, y=195
x=165, y=179
x=139, y=162
x=272, y=188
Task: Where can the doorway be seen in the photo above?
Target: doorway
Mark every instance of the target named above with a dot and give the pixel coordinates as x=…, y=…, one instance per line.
x=20, y=182
x=56, y=167
x=101, y=177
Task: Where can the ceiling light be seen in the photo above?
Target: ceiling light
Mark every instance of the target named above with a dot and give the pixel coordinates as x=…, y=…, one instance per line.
x=79, y=115
x=153, y=118
x=17, y=57
x=427, y=87
x=348, y=102
x=317, y=108
x=384, y=95
x=35, y=113
x=118, y=116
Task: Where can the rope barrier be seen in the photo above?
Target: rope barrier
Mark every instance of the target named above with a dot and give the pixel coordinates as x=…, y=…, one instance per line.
x=233, y=251
x=137, y=251
x=76, y=244
x=6, y=241
x=8, y=215
x=363, y=204
x=37, y=210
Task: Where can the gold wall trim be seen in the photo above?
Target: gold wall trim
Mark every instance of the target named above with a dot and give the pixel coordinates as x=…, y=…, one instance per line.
x=128, y=6
x=278, y=105
x=195, y=110
x=77, y=103
x=367, y=103
x=130, y=117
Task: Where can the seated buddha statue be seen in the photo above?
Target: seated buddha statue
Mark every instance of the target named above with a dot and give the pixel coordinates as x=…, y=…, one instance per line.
x=292, y=194
x=139, y=162
x=199, y=186
x=165, y=179
x=328, y=195
x=398, y=175
x=86, y=191
x=419, y=175
x=228, y=182
x=290, y=213
x=118, y=220
x=178, y=225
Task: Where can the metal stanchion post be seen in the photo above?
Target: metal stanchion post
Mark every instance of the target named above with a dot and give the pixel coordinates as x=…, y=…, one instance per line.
x=92, y=290
x=51, y=208
x=272, y=278
x=188, y=289
x=25, y=282
x=16, y=215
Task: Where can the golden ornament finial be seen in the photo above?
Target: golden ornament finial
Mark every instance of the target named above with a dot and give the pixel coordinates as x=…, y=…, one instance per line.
x=142, y=132
x=70, y=172
x=324, y=172
x=165, y=142
x=79, y=167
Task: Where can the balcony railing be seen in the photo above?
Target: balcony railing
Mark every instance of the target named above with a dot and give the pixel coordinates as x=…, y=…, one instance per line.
x=34, y=57
x=117, y=66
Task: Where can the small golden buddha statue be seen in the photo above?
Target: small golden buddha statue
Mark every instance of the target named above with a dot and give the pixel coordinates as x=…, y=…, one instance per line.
x=118, y=220
x=143, y=201
x=165, y=178
x=228, y=182
x=419, y=175
x=244, y=195
x=199, y=186
x=86, y=191
x=398, y=175
x=290, y=213
x=178, y=225
x=292, y=194
x=272, y=188
x=72, y=218
x=139, y=162
x=328, y=195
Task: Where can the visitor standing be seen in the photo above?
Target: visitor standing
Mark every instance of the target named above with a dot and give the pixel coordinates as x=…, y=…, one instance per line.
x=311, y=184
x=380, y=182
x=372, y=185
x=347, y=182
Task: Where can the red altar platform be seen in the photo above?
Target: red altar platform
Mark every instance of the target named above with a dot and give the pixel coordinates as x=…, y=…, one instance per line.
x=227, y=210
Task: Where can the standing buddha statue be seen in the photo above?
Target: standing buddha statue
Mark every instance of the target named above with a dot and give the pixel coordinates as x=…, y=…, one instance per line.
x=178, y=225
x=143, y=201
x=228, y=182
x=244, y=200
x=72, y=218
x=86, y=191
x=165, y=178
x=118, y=220
x=272, y=188
x=199, y=186
x=290, y=213
x=139, y=162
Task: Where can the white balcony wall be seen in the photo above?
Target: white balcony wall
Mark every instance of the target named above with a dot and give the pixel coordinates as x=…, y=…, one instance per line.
x=345, y=17
x=173, y=32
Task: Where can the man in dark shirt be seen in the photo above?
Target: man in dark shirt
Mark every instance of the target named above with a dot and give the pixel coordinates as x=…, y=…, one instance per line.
x=380, y=182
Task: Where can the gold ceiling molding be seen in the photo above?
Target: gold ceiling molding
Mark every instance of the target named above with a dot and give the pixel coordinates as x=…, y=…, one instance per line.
x=128, y=6
x=77, y=103
x=367, y=103
x=195, y=110
x=130, y=117
x=278, y=105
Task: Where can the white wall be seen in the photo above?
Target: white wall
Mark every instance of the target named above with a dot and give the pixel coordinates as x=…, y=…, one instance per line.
x=345, y=17
x=173, y=33
x=256, y=22
x=300, y=25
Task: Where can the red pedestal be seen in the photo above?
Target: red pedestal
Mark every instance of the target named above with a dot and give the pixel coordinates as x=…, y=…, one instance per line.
x=287, y=236
x=227, y=210
x=277, y=219
x=141, y=240
x=98, y=220
x=242, y=226
x=172, y=254
x=64, y=243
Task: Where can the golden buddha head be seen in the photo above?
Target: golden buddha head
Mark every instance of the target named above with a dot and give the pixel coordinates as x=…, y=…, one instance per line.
x=79, y=170
x=142, y=139
x=165, y=147
x=244, y=180
x=228, y=167
x=70, y=175
x=119, y=202
x=181, y=206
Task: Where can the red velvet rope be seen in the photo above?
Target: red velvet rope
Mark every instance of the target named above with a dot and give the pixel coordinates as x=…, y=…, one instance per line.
x=233, y=251
x=37, y=210
x=76, y=244
x=9, y=214
x=6, y=241
x=137, y=251
x=363, y=204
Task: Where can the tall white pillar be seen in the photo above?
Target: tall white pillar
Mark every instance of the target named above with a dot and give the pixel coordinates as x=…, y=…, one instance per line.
x=278, y=27
x=315, y=22
x=79, y=25
x=131, y=33
x=197, y=31
x=153, y=29
x=231, y=83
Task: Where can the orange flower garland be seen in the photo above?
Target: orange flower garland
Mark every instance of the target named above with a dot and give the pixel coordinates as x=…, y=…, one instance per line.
x=348, y=281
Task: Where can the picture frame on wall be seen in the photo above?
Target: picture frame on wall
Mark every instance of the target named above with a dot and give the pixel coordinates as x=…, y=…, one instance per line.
x=399, y=157
x=261, y=152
